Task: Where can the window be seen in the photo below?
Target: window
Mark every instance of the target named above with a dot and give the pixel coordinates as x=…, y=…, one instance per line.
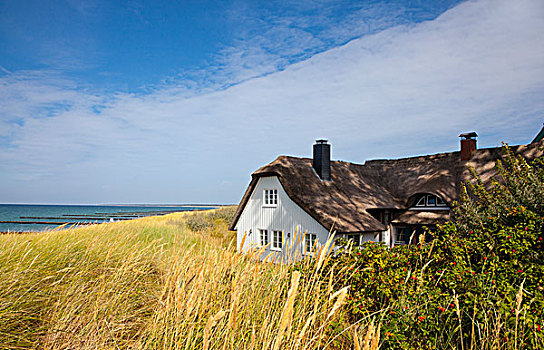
x=356, y=239
x=309, y=241
x=430, y=200
x=403, y=235
x=271, y=197
x=410, y=235
x=421, y=202
x=264, y=237
x=277, y=240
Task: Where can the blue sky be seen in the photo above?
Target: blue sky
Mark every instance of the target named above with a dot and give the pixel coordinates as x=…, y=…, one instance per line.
x=178, y=102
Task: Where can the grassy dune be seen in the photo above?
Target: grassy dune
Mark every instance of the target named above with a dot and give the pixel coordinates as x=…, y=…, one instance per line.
x=154, y=283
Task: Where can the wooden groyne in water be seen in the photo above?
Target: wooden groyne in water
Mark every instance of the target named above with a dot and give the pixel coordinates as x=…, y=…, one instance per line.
x=95, y=218
x=85, y=218
x=102, y=218
x=48, y=222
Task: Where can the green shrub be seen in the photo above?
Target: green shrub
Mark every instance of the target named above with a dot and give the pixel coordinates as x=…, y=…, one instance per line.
x=224, y=213
x=201, y=221
x=518, y=184
x=198, y=222
x=479, y=285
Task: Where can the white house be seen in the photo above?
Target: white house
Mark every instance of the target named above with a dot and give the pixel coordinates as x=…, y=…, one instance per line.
x=294, y=203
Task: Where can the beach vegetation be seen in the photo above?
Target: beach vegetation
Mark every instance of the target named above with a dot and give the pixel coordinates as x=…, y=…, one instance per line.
x=154, y=283
x=177, y=282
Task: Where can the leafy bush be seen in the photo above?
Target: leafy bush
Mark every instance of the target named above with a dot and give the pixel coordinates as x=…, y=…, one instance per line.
x=225, y=213
x=198, y=221
x=201, y=221
x=519, y=184
x=480, y=284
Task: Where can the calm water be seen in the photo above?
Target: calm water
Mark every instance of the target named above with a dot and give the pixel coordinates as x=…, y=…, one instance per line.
x=50, y=215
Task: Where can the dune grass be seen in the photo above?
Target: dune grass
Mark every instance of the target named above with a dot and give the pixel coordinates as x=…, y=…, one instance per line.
x=154, y=283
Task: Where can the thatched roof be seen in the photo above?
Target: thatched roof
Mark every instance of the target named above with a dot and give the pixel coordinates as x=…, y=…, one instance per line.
x=421, y=217
x=343, y=204
x=539, y=136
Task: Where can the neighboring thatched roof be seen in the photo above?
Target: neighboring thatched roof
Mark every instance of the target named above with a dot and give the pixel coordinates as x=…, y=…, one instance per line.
x=539, y=136
x=343, y=203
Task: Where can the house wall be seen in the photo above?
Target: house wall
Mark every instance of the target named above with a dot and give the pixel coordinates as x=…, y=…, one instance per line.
x=387, y=236
x=287, y=216
x=370, y=237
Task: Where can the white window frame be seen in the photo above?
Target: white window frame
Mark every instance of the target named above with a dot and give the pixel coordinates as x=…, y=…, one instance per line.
x=263, y=234
x=277, y=240
x=310, y=240
x=270, y=197
x=423, y=202
x=430, y=198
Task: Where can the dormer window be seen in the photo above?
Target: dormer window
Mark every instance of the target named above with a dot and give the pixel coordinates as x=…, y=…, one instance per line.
x=429, y=201
x=270, y=198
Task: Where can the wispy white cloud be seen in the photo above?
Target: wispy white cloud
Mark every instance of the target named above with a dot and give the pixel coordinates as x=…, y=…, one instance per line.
x=271, y=36
x=402, y=91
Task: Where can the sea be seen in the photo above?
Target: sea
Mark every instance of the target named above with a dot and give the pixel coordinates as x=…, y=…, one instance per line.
x=34, y=217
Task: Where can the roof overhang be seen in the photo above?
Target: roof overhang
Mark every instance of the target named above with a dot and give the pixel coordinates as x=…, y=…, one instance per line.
x=422, y=217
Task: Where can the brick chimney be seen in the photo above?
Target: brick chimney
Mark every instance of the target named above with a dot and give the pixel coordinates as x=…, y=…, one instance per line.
x=468, y=145
x=322, y=159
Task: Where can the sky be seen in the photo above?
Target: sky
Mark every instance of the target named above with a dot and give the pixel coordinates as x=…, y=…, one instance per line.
x=180, y=101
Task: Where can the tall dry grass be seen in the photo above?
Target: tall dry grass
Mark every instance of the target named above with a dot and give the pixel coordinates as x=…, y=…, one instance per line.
x=152, y=283
x=83, y=287
x=231, y=301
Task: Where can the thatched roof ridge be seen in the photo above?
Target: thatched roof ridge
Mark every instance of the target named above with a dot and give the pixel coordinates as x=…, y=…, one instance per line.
x=342, y=204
